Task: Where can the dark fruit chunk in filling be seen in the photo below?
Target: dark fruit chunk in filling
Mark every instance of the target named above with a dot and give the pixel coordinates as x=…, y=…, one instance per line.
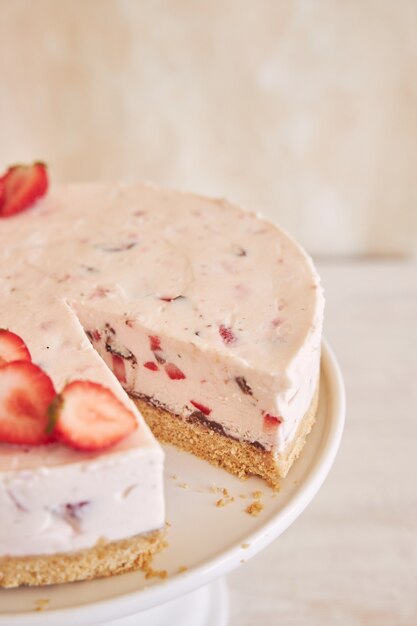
x=74, y=509
x=159, y=358
x=119, y=350
x=93, y=335
x=226, y=334
x=241, y=381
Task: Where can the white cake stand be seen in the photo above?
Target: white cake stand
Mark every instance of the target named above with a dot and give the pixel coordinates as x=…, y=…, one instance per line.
x=205, y=541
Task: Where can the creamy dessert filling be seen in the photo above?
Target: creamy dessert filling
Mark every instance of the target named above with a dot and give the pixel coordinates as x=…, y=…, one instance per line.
x=56, y=500
x=186, y=380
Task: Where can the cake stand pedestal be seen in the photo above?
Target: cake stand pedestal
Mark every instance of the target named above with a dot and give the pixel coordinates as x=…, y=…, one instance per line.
x=207, y=606
x=206, y=538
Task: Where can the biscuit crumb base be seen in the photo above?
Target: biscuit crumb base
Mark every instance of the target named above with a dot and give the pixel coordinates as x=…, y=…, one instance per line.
x=104, y=559
x=153, y=573
x=240, y=458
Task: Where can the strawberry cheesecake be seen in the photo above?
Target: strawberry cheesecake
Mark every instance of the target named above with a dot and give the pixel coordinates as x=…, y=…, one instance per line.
x=129, y=312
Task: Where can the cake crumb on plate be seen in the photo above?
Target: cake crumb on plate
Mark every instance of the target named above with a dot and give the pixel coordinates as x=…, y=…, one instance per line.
x=153, y=573
x=224, y=501
x=254, y=508
x=41, y=604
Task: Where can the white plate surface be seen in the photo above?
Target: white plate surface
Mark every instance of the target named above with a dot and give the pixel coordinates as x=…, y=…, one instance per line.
x=206, y=539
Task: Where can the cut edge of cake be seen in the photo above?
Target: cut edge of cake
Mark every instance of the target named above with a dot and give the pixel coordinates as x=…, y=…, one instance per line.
x=205, y=440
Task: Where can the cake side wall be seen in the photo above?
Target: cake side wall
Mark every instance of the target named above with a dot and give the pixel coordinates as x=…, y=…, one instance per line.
x=193, y=382
x=71, y=507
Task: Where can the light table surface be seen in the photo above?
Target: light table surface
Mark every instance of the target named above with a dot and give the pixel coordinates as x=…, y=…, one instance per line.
x=351, y=558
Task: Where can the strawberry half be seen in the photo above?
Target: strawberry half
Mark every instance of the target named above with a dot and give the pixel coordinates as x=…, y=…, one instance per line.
x=88, y=416
x=12, y=348
x=25, y=394
x=21, y=186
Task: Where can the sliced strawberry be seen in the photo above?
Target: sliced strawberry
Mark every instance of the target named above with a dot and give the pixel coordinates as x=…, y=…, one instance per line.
x=174, y=372
x=88, y=416
x=201, y=407
x=226, y=334
x=25, y=394
x=12, y=348
x=21, y=186
x=150, y=365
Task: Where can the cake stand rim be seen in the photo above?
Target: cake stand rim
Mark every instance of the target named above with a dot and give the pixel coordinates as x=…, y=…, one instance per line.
x=134, y=602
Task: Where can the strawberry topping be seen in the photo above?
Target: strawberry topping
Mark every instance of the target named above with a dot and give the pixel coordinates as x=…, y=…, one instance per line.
x=88, y=416
x=174, y=372
x=21, y=186
x=25, y=395
x=201, y=407
x=151, y=366
x=226, y=334
x=12, y=348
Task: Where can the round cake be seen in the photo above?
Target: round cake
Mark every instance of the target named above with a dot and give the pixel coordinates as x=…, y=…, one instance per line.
x=202, y=319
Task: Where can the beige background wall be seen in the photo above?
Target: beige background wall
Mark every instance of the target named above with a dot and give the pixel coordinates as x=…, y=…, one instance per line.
x=306, y=110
